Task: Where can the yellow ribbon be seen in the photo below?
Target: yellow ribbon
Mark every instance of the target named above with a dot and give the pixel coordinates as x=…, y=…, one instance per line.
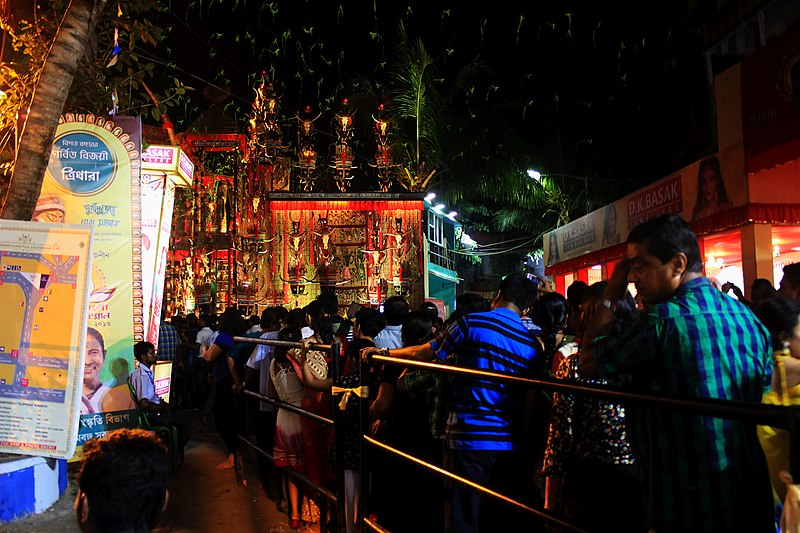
x=361, y=392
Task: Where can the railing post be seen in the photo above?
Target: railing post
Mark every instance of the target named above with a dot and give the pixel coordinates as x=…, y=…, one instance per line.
x=363, y=427
x=336, y=367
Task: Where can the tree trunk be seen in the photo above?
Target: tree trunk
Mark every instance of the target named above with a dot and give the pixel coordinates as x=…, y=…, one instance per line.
x=49, y=96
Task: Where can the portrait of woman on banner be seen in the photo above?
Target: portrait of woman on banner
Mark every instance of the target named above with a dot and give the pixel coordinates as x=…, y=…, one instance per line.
x=553, y=256
x=712, y=196
x=610, y=232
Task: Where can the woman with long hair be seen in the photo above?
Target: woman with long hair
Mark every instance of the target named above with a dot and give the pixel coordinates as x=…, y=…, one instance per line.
x=588, y=462
x=550, y=314
x=711, y=193
x=226, y=378
x=287, y=386
x=782, y=319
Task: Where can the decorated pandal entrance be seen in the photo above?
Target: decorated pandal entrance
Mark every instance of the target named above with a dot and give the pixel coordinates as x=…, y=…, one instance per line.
x=270, y=224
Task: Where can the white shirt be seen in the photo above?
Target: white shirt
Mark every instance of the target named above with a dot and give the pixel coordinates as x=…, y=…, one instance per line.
x=390, y=337
x=202, y=339
x=94, y=404
x=306, y=332
x=259, y=360
x=143, y=383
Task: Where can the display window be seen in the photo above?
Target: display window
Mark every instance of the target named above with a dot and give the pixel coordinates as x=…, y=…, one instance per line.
x=722, y=261
x=785, y=250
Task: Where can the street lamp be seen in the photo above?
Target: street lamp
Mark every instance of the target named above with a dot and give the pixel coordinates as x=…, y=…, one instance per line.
x=537, y=176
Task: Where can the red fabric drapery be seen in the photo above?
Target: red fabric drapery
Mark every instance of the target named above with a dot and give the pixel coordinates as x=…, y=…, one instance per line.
x=344, y=205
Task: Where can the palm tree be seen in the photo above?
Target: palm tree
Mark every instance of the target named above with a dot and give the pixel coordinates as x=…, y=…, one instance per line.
x=49, y=96
x=417, y=107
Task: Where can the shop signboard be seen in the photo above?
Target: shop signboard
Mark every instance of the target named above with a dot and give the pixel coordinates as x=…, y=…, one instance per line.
x=163, y=168
x=702, y=189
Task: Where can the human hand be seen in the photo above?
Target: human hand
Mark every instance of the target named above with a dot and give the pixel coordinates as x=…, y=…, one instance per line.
x=618, y=284
x=544, y=285
x=367, y=353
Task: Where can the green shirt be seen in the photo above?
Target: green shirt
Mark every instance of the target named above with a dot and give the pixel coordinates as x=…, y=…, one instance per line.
x=699, y=473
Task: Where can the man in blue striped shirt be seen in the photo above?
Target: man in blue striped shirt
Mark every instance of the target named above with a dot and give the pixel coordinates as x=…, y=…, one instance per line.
x=700, y=473
x=479, y=429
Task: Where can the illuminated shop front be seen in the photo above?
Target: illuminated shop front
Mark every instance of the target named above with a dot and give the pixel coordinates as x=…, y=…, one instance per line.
x=743, y=201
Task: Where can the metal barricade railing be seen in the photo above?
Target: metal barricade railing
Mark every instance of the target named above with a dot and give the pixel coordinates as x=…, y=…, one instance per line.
x=776, y=416
x=787, y=417
x=330, y=498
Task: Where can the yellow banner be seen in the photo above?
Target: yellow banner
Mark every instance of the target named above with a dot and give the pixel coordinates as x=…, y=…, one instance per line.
x=93, y=179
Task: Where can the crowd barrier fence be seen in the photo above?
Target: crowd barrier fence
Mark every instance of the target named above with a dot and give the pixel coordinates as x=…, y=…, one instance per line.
x=787, y=417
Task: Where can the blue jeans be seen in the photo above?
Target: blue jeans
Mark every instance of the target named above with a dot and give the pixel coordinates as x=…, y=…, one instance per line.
x=477, y=467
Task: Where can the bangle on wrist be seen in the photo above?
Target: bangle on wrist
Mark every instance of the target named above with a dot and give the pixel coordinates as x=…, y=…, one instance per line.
x=385, y=351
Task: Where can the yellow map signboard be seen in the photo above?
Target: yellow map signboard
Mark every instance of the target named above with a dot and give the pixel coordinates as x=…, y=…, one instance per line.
x=44, y=277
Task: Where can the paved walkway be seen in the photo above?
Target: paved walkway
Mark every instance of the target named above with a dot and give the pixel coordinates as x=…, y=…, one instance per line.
x=202, y=499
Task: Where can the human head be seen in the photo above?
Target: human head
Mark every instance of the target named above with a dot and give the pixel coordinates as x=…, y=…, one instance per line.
x=662, y=252
x=268, y=321
x=576, y=295
x=49, y=208
x=416, y=328
x=790, y=284
x=145, y=352
x=330, y=303
x=431, y=309
x=323, y=329
x=122, y=483
x=472, y=302
x=395, y=308
x=550, y=313
x=93, y=362
x=710, y=185
x=516, y=289
x=761, y=290
x=369, y=322
x=313, y=311
x=280, y=313
x=782, y=319
x=624, y=308
x=232, y=322
x=288, y=334
x=296, y=318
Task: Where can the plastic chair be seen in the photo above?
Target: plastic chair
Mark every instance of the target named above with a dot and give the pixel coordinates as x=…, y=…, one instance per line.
x=170, y=432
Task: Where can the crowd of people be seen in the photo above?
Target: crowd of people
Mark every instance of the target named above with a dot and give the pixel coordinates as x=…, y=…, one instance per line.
x=604, y=464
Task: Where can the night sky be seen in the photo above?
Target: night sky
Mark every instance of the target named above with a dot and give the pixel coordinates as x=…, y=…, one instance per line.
x=613, y=90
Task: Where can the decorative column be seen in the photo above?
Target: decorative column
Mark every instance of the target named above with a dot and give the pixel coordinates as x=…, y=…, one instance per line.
x=756, y=254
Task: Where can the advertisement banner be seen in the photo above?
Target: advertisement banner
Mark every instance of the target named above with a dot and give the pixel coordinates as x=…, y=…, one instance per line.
x=161, y=246
x=93, y=179
x=44, y=280
x=153, y=185
x=700, y=190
